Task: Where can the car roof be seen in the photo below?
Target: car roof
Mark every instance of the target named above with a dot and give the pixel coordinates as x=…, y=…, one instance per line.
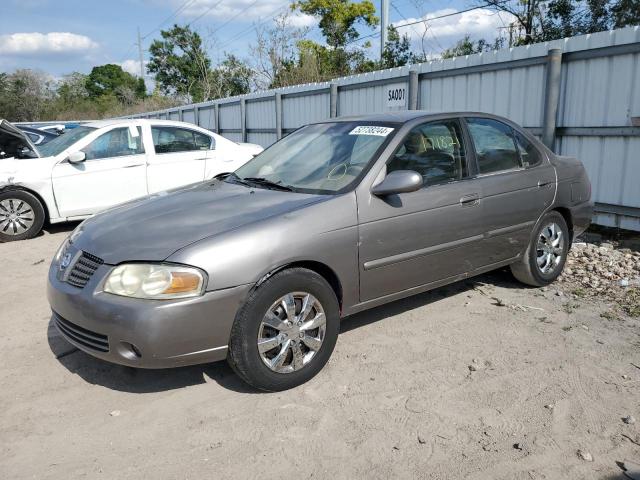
x=138, y=121
x=404, y=116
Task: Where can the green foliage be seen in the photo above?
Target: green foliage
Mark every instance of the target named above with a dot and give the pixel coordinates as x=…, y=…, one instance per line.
x=338, y=18
x=180, y=63
x=231, y=77
x=466, y=46
x=110, y=79
x=397, y=51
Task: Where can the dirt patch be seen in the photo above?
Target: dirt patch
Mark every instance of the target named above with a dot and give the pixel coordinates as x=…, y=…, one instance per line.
x=481, y=379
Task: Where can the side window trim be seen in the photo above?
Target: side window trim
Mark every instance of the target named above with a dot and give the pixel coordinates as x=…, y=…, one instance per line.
x=464, y=145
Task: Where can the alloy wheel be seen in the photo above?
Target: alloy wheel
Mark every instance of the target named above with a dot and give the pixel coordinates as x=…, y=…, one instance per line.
x=16, y=216
x=550, y=248
x=291, y=332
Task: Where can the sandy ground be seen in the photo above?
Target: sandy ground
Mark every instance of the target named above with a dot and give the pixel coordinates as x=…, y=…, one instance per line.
x=443, y=385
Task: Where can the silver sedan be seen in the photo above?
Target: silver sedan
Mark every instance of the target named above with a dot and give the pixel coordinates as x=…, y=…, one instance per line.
x=259, y=266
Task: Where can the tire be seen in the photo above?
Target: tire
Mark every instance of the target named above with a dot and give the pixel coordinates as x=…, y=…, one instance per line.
x=284, y=359
x=546, y=254
x=21, y=215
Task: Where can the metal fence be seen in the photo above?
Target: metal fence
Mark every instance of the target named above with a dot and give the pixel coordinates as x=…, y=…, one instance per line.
x=580, y=95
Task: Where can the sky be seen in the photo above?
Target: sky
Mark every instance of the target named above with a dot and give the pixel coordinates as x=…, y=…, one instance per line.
x=63, y=36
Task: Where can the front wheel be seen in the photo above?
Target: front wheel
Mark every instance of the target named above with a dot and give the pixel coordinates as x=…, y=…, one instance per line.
x=286, y=330
x=21, y=215
x=546, y=254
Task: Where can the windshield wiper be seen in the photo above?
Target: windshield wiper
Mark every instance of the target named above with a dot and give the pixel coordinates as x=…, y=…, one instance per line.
x=267, y=183
x=233, y=177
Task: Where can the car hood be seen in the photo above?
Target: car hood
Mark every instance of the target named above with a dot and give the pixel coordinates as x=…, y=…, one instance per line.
x=9, y=132
x=153, y=228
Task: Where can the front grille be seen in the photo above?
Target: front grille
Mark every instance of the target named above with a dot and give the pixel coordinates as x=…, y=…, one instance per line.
x=86, y=338
x=83, y=270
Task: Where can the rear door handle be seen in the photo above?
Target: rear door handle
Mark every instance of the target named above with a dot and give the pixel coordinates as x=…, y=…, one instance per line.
x=470, y=200
x=134, y=165
x=543, y=184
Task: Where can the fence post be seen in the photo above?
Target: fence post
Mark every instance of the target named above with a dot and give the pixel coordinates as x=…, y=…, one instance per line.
x=196, y=115
x=551, y=96
x=181, y=114
x=243, y=118
x=278, y=98
x=333, y=100
x=413, y=90
x=216, y=114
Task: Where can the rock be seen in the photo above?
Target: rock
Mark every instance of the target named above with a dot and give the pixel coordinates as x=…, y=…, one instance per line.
x=421, y=439
x=549, y=406
x=559, y=293
x=625, y=377
x=629, y=419
x=473, y=368
x=606, y=245
x=586, y=456
x=624, y=282
x=115, y=413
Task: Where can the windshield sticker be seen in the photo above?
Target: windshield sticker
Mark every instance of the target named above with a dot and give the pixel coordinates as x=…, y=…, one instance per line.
x=371, y=130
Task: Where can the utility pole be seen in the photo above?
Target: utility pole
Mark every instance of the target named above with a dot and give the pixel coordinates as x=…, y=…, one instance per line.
x=384, y=25
x=140, y=55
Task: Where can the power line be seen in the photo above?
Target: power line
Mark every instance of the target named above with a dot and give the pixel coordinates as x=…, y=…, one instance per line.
x=174, y=14
x=234, y=17
x=273, y=14
x=424, y=20
x=204, y=13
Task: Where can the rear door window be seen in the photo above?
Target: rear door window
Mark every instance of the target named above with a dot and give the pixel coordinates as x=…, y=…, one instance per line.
x=494, y=145
x=174, y=139
x=529, y=154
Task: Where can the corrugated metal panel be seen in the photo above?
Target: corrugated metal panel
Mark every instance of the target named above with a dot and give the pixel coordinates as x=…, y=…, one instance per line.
x=207, y=117
x=174, y=115
x=298, y=111
x=230, y=115
x=264, y=139
x=261, y=114
x=234, y=137
x=188, y=115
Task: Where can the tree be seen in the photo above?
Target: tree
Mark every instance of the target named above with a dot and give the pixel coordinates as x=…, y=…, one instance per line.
x=274, y=51
x=397, y=51
x=338, y=18
x=24, y=95
x=466, y=46
x=232, y=77
x=112, y=80
x=544, y=20
x=181, y=64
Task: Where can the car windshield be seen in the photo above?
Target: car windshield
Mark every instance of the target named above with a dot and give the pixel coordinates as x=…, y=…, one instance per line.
x=324, y=158
x=64, y=141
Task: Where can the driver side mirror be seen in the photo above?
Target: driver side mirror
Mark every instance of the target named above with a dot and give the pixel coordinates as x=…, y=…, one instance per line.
x=398, y=181
x=77, y=157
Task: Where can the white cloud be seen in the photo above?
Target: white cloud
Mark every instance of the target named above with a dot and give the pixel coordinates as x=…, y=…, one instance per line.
x=132, y=66
x=35, y=43
x=481, y=23
x=301, y=20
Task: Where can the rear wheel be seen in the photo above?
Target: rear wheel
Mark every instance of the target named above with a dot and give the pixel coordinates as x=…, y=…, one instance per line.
x=21, y=215
x=546, y=254
x=286, y=331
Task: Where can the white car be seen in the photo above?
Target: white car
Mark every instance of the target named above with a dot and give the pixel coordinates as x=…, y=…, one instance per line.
x=102, y=164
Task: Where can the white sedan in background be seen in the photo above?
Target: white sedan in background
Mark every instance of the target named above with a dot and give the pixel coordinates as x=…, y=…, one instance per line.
x=102, y=164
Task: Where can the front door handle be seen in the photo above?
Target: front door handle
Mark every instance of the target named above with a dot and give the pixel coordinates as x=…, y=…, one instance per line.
x=134, y=165
x=470, y=200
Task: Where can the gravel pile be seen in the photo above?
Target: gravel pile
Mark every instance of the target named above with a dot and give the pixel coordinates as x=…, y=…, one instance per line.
x=605, y=271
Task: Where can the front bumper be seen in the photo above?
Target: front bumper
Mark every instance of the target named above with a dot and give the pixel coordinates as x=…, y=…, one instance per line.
x=144, y=333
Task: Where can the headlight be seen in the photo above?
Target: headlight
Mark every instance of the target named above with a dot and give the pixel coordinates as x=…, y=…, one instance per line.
x=157, y=282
